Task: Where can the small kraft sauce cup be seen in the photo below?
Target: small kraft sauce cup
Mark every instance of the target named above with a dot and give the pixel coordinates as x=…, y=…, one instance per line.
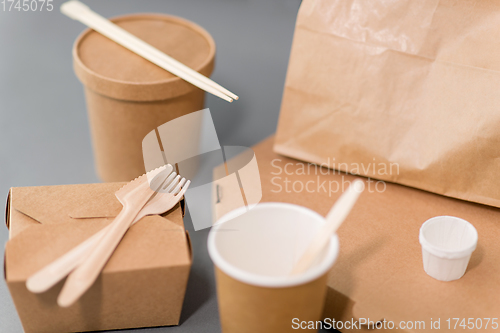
x=447, y=245
x=127, y=96
x=254, y=252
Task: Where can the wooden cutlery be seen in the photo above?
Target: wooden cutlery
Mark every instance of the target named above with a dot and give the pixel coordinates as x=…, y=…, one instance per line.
x=81, y=12
x=153, y=193
x=334, y=219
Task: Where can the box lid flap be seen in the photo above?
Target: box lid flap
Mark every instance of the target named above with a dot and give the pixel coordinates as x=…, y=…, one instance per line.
x=54, y=219
x=59, y=204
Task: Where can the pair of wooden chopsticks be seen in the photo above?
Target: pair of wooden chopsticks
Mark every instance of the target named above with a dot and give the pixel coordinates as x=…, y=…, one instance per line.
x=80, y=12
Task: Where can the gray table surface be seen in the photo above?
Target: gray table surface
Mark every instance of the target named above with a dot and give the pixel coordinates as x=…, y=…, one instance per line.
x=44, y=135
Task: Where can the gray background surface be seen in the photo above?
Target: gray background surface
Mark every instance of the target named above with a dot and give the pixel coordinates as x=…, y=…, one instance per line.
x=44, y=135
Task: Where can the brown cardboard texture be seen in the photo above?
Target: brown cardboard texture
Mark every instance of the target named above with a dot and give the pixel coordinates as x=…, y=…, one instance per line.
x=142, y=285
x=406, y=83
x=379, y=272
x=246, y=308
x=128, y=96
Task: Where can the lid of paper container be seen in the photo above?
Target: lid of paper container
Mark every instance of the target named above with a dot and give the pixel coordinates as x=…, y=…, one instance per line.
x=114, y=71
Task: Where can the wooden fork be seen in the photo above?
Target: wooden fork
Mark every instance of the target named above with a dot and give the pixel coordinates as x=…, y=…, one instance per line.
x=51, y=274
x=133, y=198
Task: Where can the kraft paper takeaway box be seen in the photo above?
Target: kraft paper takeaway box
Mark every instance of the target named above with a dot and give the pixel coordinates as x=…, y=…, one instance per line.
x=379, y=272
x=142, y=285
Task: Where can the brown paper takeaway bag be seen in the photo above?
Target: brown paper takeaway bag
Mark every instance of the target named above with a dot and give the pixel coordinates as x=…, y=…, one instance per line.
x=400, y=90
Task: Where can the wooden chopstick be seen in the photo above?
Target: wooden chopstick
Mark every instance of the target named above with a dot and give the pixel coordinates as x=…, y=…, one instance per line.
x=157, y=57
x=80, y=12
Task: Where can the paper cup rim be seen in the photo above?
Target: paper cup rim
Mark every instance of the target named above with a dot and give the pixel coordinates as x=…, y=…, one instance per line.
x=444, y=253
x=267, y=281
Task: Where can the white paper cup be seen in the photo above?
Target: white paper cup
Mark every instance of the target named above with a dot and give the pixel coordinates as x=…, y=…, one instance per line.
x=254, y=253
x=447, y=244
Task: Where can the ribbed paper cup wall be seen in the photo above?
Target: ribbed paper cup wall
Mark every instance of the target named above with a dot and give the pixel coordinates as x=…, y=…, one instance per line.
x=447, y=245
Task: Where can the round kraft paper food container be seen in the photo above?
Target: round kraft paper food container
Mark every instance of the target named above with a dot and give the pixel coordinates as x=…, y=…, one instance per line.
x=127, y=96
